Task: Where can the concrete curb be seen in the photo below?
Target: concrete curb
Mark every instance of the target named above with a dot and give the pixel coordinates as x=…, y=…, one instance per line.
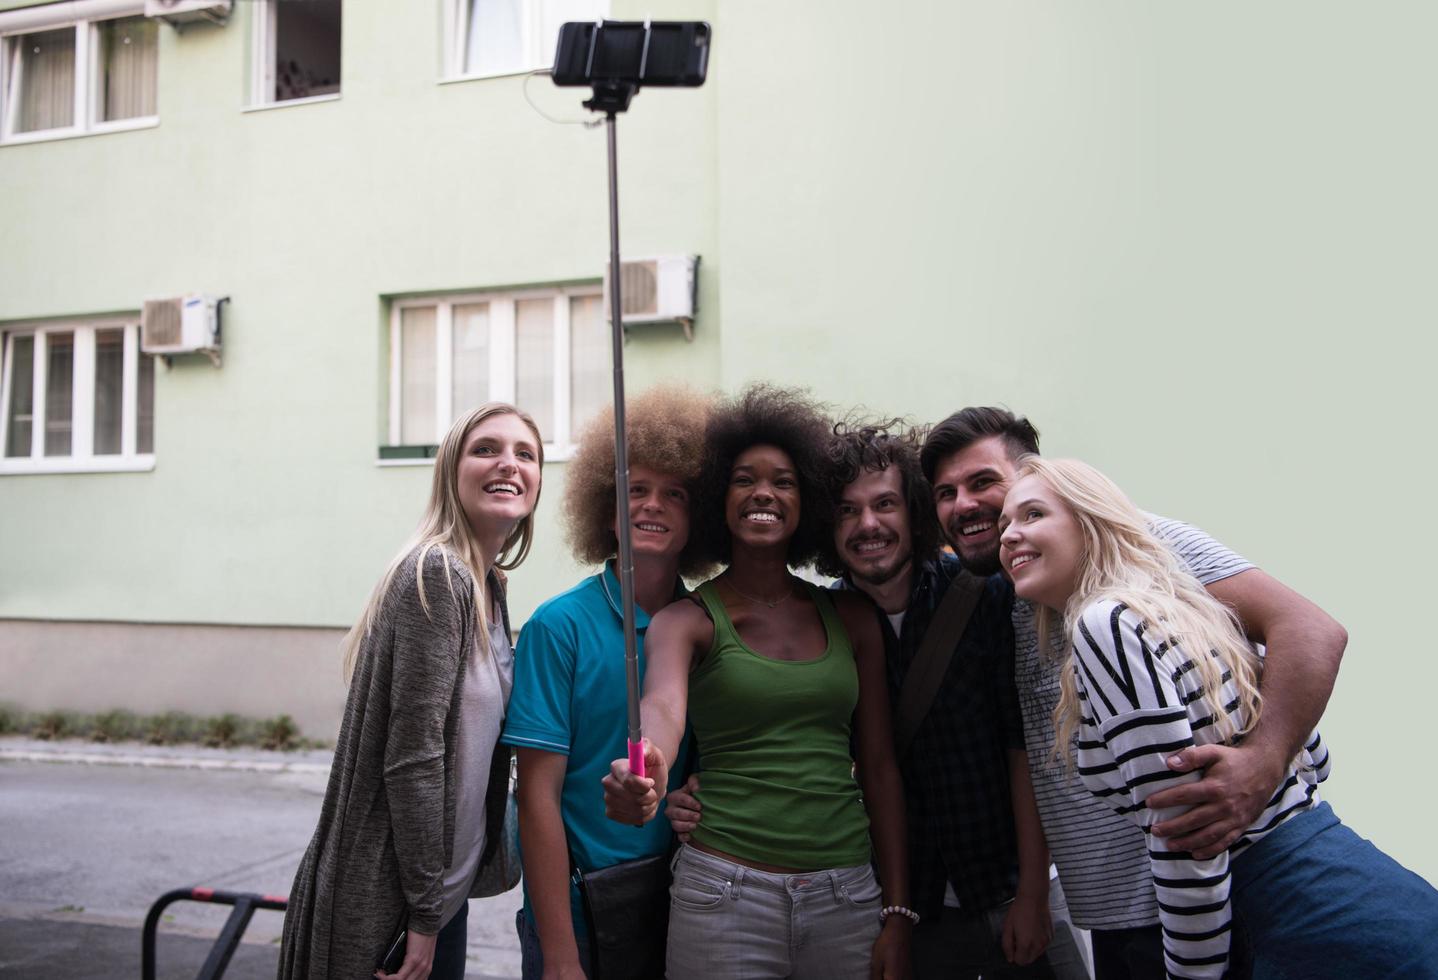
x=158, y=757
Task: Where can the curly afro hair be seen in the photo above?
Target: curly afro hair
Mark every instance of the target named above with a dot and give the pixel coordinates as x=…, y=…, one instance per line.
x=767, y=415
x=859, y=446
x=666, y=432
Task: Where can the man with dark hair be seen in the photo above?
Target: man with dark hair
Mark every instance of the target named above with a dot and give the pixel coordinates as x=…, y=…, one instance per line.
x=1102, y=858
x=979, y=870
x=998, y=437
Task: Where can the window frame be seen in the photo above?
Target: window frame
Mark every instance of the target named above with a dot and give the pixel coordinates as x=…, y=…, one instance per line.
x=263, y=51
x=87, y=97
x=456, y=39
x=503, y=372
x=82, y=458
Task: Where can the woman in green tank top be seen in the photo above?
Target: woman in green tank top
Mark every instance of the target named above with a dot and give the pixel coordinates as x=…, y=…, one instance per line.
x=779, y=679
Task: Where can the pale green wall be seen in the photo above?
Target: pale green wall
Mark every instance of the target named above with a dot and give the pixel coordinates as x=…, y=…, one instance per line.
x=1194, y=242
x=266, y=506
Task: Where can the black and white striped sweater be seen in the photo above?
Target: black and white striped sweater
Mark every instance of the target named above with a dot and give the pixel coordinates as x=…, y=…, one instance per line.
x=1140, y=702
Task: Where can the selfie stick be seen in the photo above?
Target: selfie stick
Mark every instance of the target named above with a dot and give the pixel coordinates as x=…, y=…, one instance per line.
x=615, y=75
x=613, y=98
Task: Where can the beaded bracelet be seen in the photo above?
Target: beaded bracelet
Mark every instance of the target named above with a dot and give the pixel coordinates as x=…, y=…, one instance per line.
x=889, y=910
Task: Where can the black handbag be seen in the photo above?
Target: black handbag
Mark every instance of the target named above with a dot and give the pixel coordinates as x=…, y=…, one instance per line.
x=626, y=907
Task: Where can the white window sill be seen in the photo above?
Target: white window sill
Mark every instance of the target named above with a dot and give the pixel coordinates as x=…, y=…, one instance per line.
x=552, y=454
x=74, y=132
x=480, y=76
x=308, y=100
x=19, y=465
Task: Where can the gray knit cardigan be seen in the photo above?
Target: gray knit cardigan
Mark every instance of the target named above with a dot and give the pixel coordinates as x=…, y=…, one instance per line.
x=386, y=829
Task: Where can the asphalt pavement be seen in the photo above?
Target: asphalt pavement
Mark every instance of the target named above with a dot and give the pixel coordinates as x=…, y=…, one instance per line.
x=94, y=834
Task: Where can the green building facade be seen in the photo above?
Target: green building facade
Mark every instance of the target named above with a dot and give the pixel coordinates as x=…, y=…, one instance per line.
x=1192, y=242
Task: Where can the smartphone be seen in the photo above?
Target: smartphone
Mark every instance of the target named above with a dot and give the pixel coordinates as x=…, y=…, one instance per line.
x=393, y=958
x=668, y=53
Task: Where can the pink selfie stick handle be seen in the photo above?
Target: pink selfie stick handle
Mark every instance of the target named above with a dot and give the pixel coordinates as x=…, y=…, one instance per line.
x=636, y=758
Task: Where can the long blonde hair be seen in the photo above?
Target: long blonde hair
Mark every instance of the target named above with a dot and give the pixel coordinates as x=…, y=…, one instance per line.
x=445, y=526
x=1123, y=561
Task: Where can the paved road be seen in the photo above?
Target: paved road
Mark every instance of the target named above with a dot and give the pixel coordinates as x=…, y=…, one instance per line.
x=87, y=848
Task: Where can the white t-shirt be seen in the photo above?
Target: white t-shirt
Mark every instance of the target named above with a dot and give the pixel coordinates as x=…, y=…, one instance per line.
x=484, y=693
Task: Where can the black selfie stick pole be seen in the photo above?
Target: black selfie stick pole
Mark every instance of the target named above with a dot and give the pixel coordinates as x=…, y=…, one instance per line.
x=611, y=99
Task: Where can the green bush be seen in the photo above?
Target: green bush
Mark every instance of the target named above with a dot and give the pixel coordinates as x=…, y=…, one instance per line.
x=228, y=730
x=279, y=733
x=117, y=725
x=170, y=728
x=223, y=731
x=12, y=720
x=56, y=724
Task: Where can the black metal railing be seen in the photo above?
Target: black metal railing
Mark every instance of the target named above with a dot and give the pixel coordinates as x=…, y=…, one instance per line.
x=244, y=904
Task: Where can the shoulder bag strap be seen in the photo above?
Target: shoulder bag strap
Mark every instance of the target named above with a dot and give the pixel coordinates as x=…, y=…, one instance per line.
x=932, y=661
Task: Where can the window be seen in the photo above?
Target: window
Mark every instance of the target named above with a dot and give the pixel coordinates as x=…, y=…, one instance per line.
x=76, y=397
x=79, y=77
x=297, y=50
x=501, y=37
x=546, y=351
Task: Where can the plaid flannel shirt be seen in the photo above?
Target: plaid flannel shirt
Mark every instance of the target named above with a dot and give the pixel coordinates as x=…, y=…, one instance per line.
x=956, y=772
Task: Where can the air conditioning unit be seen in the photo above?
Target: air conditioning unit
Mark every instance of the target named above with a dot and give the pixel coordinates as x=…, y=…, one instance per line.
x=182, y=325
x=660, y=289
x=177, y=12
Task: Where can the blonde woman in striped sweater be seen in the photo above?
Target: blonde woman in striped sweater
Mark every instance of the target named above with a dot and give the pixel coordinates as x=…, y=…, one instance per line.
x=1155, y=664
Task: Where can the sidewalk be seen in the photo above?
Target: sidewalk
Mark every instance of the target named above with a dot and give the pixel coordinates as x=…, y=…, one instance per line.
x=15, y=748
x=94, y=833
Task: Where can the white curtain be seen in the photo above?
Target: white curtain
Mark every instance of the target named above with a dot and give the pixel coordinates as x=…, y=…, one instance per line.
x=470, y=388
x=128, y=56
x=417, y=367
x=590, y=385
x=534, y=361
x=42, y=80
x=496, y=37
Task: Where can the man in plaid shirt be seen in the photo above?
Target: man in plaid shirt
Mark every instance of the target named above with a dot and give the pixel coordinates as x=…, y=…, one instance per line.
x=979, y=869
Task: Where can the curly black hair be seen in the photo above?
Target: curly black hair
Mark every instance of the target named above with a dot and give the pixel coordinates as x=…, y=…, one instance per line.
x=767, y=415
x=857, y=446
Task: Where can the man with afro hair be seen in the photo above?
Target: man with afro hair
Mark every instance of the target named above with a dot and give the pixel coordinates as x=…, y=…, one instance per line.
x=567, y=713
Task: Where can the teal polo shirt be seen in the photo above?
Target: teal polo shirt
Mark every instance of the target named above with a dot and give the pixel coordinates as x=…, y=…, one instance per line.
x=569, y=698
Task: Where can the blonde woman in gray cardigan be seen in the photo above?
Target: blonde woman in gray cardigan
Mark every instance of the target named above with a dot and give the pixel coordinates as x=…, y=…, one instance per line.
x=416, y=792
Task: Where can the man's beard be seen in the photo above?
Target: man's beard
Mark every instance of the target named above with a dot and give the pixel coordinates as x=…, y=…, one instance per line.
x=883, y=576
x=982, y=565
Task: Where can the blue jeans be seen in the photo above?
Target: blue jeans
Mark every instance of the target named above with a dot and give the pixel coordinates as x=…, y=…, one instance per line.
x=532, y=954
x=1315, y=900
x=732, y=922
x=450, y=946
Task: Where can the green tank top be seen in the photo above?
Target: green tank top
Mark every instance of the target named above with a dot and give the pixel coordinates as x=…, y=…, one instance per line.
x=777, y=781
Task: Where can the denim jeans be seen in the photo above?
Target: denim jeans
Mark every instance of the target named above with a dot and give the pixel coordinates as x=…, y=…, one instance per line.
x=1316, y=900
x=728, y=921
x=532, y=954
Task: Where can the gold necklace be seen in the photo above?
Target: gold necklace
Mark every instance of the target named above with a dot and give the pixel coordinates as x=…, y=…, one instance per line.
x=755, y=599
